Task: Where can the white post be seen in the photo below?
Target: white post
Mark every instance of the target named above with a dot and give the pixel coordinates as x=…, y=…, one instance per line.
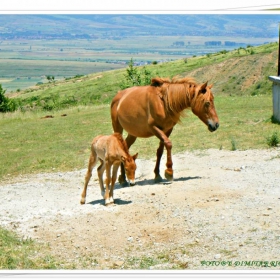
x=276, y=96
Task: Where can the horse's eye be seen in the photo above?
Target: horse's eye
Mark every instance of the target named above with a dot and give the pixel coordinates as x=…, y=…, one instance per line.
x=207, y=104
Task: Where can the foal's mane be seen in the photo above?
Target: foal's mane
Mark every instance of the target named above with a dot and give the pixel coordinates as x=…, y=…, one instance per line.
x=121, y=141
x=177, y=94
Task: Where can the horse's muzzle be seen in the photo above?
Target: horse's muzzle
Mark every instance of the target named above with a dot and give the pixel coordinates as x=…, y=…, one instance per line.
x=131, y=182
x=212, y=126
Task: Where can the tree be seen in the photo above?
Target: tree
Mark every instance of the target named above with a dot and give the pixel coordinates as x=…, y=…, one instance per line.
x=50, y=78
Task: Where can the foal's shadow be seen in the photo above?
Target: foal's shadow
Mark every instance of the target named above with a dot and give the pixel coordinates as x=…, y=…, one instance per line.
x=145, y=182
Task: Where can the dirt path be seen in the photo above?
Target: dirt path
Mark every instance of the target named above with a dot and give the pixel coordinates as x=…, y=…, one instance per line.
x=222, y=206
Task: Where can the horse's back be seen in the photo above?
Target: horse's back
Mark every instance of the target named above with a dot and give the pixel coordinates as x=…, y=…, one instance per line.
x=132, y=94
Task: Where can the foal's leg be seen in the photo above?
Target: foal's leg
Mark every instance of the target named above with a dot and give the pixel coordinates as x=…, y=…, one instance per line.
x=114, y=178
x=108, y=181
x=165, y=142
x=100, y=171
x=91, y=164
x=129, y=141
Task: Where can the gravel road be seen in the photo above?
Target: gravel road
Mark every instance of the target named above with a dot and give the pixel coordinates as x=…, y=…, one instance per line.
x=222, y=208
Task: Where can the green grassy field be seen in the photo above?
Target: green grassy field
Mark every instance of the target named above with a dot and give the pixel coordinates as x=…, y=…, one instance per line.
x=35, y=144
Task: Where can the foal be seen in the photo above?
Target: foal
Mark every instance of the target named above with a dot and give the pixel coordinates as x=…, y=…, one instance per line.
x=111, y=151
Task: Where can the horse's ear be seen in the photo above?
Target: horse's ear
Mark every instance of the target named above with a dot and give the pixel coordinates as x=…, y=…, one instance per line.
x=203, y=88
x=123, y=159
x=135, y=156
x=210, y=86
x=156, y=82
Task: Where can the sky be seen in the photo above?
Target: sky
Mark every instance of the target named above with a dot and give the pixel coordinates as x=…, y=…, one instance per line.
x=128, y=6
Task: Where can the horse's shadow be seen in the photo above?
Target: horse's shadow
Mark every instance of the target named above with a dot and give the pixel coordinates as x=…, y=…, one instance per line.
x=147, y=182
x=117, y=201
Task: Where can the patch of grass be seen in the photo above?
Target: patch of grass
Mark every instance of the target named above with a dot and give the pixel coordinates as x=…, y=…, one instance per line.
x=233, y=144
x=162, y=260
x=17, y=253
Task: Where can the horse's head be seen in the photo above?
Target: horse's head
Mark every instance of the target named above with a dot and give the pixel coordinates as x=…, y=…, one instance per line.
x=130, y=168
x=203, y=106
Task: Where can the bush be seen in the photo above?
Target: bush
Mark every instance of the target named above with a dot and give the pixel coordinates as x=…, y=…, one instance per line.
x=135, y=77
x=273, y=140
x=6, y=104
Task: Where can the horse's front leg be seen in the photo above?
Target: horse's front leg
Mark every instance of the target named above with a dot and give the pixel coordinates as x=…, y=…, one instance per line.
x=129, y=141
x=165, y=142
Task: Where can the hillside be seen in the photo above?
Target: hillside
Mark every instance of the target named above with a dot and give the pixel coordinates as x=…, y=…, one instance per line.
x=243, y=71
x=122, y=25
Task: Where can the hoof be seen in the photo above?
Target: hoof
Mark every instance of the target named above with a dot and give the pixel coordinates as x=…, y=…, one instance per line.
x=109, y=203
x=124, y=184
x=158, y=179
x=82, y=201
x=168, y=175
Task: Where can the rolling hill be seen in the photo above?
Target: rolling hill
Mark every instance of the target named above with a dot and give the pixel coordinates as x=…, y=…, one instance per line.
x=243, y=71
x=122, y=25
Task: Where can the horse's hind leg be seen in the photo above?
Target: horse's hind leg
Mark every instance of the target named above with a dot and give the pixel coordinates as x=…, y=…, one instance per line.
x=159, y=155
x=91, y=164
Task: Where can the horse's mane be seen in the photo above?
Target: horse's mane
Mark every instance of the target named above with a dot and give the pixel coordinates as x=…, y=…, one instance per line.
x=178, y=93
x=121, y=142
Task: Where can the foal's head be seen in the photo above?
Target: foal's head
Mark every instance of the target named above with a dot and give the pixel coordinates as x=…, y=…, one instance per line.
x=130, y=168
x=203, y=106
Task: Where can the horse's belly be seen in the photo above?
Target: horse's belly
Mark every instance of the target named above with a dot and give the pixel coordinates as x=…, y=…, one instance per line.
x=133, y=112
x=137, y=127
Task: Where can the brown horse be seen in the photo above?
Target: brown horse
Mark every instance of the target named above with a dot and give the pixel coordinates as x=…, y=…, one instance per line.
x=145, y=111
x=111, y=151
